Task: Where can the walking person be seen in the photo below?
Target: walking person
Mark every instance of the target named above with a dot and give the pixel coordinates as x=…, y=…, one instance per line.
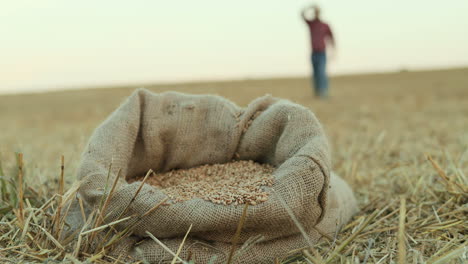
x=320, y=34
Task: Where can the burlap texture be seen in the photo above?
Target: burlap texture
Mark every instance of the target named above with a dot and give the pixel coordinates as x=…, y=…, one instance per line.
x=173, y=131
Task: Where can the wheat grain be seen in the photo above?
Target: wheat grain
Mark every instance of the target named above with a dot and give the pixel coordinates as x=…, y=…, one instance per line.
x=236, y=182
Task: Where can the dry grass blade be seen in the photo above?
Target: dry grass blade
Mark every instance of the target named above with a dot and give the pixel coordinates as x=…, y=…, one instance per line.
x=104, y=196
x=10, y=248
x=181, y=245
x=352, y=237
x=248, y=244
x=401, y=233
x=80, y=236
x=136, y=193
x=82, y=210
x=109, y=173
x=62, y=221
x=72, y=259
x=104, y=203
x=61, y=180
x=313, y=259
x=450, y=183
x=3, y=184
x=51, y=237
x=60, y=197
x=107, y=225
x=96, y=257
x=155, y=207
x=460, y=251
x=70, y=194
x=128, y=230
x=29, y=255
x=111, y=193
x=235, y=239
x=20, y=188
x=26, y=225
x=165, y=247
x=294, y=218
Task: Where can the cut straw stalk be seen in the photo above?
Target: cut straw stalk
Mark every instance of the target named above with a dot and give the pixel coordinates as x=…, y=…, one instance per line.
x=110, y=195
x=61, y=182
x=109, y=172
x=422, y=223
x=129, y=228
x=165, y=247
x=10, y=248
x=104, y=196
x=449, y=182
x=137, y=192
x=60, y=197
x=72, y=259
x=248, y=244
x=294, y=218
x=51, y=237
x=316, y=259
x=181, y=245
x=154, y=208
x=26, y=226
x=82, y=210
x=62, y=221
x=80, y=236
x=461, y=251
x=3, y=183
x=401, y=232
x=29, y=255
x=20, y=188
x=235, y=239
x=352, y=237
x=107, y=225
x=104, y=203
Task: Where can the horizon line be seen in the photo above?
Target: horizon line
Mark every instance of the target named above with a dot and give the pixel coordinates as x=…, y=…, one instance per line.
x=143, y=84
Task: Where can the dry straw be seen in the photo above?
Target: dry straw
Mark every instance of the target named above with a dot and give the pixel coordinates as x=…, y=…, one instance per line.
x=386, y=227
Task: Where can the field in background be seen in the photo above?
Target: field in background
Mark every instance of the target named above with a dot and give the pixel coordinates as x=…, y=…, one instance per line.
x=381, y=127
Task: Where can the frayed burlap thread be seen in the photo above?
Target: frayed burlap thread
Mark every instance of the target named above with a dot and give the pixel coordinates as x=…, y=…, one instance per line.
x=172, y=130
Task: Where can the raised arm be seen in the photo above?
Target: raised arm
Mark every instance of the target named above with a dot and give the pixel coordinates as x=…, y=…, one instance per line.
x=303, y=15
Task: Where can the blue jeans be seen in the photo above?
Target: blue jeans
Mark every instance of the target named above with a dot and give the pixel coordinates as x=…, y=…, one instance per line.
x=320, y=79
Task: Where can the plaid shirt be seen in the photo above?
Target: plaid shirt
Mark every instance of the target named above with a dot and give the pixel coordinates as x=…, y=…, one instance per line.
x=319, y=32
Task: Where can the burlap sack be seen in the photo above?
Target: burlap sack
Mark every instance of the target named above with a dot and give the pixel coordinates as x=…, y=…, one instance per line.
x=173, y=131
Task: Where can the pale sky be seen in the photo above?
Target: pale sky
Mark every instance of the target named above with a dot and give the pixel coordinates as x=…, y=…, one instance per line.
x=54, y=44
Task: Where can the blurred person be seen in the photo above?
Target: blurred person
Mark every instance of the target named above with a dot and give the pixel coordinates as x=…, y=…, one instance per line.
x=320, y=35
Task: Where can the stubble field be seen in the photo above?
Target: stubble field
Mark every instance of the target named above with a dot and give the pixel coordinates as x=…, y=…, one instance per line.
x=400, y=140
